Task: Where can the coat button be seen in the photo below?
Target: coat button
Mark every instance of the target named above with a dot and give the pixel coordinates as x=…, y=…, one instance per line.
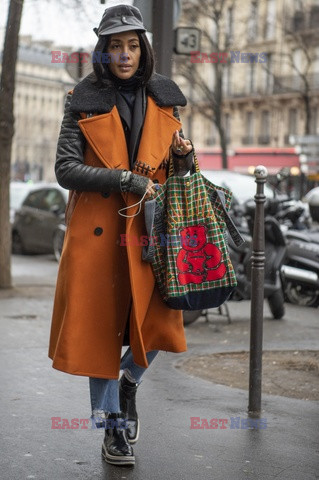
x=98, y=231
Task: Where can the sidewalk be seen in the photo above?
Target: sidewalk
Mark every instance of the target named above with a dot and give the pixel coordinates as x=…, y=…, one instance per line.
x=32, y=392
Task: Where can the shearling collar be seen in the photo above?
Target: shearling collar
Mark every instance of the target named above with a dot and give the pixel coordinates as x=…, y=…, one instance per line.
x=87, y=97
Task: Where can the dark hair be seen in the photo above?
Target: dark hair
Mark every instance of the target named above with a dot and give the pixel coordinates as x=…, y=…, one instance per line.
x=146, y=66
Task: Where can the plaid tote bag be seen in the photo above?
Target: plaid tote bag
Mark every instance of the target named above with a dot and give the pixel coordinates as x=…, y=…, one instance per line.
x=187, y=244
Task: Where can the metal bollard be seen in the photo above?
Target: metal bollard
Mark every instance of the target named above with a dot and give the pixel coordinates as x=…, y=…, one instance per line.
x=257, y=296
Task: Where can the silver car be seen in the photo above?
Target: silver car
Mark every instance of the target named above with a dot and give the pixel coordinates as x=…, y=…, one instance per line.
x=36, y=222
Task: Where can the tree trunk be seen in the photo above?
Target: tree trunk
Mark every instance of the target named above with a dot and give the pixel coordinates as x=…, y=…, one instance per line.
x=307, y=106
x=7, y=87
x=218, y=113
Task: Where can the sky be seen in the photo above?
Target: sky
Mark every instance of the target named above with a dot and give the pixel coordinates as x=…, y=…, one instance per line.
x=49, y=20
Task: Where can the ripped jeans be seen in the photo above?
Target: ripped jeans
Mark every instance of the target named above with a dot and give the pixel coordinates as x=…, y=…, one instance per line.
x=104, y=393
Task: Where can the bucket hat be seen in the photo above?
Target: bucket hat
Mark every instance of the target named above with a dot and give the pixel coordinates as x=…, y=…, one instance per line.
x=120, y=18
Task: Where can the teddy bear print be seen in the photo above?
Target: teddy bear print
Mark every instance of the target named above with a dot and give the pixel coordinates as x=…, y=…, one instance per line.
x=198, y=261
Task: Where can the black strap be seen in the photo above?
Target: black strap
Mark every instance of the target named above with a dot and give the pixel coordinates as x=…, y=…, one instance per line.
x=148, y=252
x=233, y=230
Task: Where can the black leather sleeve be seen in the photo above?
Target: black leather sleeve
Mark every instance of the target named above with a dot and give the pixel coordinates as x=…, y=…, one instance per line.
x=181, y=165
x=70, y=170
x=73, y=174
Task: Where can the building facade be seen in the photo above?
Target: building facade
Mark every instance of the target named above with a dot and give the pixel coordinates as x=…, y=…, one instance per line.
x=39, y=99
x=270, y=80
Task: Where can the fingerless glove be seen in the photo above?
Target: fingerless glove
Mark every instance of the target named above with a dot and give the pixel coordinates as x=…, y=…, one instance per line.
x=130, y=182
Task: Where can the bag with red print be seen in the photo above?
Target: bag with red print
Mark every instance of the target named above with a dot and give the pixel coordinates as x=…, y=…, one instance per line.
x=186, y=224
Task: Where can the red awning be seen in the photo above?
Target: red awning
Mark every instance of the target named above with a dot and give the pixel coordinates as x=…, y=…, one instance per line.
x=242, y=159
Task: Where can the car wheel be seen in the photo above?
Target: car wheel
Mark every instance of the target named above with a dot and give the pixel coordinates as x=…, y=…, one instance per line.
x=17, y=244
x=58, y=239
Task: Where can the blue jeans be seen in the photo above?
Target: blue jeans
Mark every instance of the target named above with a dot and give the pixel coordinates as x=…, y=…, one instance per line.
x=104, y=393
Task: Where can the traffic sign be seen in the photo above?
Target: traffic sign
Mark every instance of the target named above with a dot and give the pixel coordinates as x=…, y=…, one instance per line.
x=187, y=40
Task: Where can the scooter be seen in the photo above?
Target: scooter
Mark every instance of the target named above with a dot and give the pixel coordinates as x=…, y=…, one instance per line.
x=300, y=269
x=275, y=251
x=300, y=273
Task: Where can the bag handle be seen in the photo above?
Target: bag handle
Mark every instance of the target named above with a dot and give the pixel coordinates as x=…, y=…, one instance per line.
x=195, y=165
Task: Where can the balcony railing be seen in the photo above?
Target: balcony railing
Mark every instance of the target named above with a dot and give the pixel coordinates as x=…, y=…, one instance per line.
x=264, y=139
x=303, y=20
x=248, y=140
x=283, y=84
x=286, y=138
x=294, y=83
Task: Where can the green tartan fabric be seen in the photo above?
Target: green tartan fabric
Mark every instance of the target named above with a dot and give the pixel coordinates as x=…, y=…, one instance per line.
x=191, y=253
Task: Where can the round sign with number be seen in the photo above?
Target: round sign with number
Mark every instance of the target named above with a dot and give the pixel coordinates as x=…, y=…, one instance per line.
x=187, y=40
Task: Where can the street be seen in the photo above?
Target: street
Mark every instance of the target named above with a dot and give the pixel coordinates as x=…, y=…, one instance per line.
x=36, y=398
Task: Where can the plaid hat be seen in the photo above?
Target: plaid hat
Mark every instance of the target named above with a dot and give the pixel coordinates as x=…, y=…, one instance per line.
x=120, y=18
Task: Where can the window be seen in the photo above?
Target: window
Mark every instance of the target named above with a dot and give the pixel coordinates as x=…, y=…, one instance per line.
x=264, y=137
x=227, y=79
x=54, y=198
x=249, y=123
x=251, y=71
x=292, y=121
x=248, y=139
x=268, y=74
x=299, y=61
x=36, y=200
x=314, y=16
x=253, y=21
x=298, y=21
x=265, y=125
x=45, y=199
x=270, y=19
x=229, y=24
x=211, y=133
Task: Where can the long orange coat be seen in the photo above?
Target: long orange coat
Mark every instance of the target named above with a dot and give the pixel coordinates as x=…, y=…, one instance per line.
x=98, y=276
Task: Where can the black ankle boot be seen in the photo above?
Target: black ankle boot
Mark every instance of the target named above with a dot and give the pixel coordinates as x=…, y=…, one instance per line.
x=115, y=448
x=127, y=392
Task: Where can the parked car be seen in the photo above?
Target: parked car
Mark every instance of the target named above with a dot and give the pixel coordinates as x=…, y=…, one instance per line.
x=242, y=186
x=18, y=192
x=36, y=222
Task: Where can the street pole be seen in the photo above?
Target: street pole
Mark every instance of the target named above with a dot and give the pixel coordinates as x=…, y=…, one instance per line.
x=163, y=35
x=257, y=296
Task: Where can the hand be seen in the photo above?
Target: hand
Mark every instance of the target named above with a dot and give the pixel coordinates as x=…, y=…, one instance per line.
x=179, y=145
x=151, y=188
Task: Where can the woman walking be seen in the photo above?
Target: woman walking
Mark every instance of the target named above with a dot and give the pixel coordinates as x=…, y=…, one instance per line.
x=119, y=125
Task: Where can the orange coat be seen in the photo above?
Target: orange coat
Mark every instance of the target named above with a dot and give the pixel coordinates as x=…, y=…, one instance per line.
x=98, y=276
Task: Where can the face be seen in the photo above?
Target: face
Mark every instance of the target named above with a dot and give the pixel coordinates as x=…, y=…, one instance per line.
x=125, y=53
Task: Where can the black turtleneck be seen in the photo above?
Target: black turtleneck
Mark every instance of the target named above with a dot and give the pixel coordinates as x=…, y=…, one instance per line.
x=127, y=88
x=131, y=106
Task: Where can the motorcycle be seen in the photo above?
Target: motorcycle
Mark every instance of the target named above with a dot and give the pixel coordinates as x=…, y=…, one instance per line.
x=300, y=269
x=275, y=251
x=300, y=273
